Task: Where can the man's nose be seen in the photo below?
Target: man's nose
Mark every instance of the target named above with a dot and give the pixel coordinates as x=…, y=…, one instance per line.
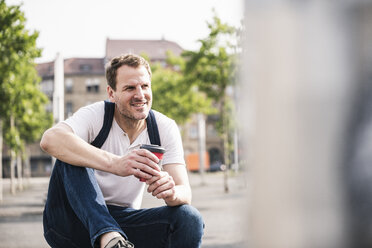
x=140, y=93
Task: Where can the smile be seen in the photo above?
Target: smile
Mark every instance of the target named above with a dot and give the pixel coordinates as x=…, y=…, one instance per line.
x=138, y=104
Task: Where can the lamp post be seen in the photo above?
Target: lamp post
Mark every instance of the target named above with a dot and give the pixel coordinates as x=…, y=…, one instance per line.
x=201, y=145
x=59, y=90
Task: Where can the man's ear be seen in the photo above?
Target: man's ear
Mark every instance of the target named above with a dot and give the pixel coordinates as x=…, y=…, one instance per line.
x=110, y=93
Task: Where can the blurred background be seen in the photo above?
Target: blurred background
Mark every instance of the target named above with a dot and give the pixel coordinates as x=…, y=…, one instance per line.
x=272, y=98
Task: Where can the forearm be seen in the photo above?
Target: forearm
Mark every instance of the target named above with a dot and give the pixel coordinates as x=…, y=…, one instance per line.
x=61, y=143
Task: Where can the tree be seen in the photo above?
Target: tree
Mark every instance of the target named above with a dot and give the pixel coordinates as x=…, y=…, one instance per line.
x=31, y=116
x=213, y=68
x=19, y=91
x=174, y=97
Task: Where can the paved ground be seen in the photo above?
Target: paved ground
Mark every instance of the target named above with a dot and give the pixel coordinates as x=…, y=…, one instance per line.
x=21, y=215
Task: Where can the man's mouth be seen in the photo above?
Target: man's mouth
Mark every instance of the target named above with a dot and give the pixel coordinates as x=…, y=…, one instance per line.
x=139, y=104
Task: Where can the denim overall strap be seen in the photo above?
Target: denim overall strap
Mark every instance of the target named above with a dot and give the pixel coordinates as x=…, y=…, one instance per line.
x=107, y=123
x=152, y=129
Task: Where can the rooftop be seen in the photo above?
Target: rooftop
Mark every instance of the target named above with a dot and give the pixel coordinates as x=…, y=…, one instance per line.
x=73, y=66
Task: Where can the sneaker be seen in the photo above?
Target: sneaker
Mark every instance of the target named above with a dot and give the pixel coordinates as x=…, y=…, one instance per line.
x=119, y=242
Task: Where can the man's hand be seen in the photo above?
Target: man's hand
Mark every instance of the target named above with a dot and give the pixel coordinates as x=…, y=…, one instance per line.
x=140, y=163
x=162, y=187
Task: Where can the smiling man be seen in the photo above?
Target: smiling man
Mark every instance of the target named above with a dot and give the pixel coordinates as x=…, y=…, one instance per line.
x=95, y=193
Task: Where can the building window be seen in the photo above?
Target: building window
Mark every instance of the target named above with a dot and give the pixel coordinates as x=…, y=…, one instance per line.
x=49, y=106
x=69, y=85
x=69, y=110
x=85, y=68
x=92, y=85
x=47, y=87
x=193, y=132
x=211, y=131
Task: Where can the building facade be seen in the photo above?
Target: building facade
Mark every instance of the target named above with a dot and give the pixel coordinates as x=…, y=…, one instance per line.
x=85, y=83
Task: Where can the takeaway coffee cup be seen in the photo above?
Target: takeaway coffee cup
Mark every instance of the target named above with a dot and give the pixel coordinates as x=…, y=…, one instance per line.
x=158, y=151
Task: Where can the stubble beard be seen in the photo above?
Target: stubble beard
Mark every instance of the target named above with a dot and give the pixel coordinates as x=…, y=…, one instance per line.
x=133, y=116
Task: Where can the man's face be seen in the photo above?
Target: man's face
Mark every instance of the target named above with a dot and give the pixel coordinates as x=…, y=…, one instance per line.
x=133, y=95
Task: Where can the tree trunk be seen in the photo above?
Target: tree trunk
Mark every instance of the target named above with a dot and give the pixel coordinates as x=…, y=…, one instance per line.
x=12, y=163
x=1, y=160
x=225, y=145
x=27, y=167
x=19, y=172
x=12, y=172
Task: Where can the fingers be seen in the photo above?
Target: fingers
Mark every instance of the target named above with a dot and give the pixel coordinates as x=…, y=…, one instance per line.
x=146, y=169
x=161, y=187
x=142, y=164
x=143, y=153
x=153, y=180
x=143, y=176
x=167, y=194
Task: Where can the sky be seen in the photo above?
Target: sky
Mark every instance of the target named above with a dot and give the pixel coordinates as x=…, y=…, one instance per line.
x=79, y=28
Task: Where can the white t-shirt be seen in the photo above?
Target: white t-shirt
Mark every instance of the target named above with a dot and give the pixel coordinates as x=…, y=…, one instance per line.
x=124, y=191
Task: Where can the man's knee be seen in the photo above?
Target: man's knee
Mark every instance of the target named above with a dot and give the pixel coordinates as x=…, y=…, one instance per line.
x=188, y=226
x=190, y=218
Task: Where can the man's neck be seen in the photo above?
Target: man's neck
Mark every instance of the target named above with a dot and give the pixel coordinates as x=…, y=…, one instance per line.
x=131, y=127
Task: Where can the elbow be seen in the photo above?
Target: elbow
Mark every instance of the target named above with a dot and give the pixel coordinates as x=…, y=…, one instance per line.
x=45, y=142
x=53, y=139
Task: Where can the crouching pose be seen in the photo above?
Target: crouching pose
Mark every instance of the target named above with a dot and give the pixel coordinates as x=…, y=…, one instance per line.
x=100, y=175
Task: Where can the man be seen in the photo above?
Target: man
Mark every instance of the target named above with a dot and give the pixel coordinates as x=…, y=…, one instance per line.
x=95, y=195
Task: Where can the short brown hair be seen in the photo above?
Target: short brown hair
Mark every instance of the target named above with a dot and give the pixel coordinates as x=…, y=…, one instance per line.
x=131, y=60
